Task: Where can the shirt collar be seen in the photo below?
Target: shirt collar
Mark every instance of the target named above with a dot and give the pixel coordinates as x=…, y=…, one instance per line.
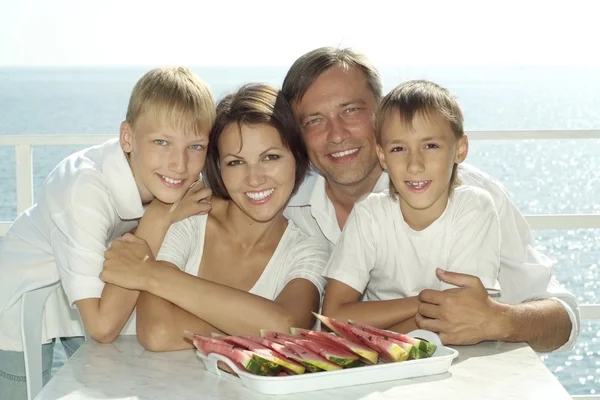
x=120, y=181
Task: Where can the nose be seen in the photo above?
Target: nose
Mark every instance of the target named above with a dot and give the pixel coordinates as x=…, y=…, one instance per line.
x=338, y=131
x=415, y=163
x=178, y=160
x=256, y=176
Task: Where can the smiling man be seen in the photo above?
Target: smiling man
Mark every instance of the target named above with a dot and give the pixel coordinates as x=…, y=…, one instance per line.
x=334, y=94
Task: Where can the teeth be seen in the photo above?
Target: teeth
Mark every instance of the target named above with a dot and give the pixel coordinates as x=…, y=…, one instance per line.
x=417, y=185
x=343, y=153
x=172, y=181
x=260, y=195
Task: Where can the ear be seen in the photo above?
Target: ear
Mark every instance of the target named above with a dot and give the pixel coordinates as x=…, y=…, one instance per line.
x=381, y=156
x=462, y=149
x=126, y=137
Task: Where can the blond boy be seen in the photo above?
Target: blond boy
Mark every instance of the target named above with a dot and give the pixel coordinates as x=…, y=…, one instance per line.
x=96, y=196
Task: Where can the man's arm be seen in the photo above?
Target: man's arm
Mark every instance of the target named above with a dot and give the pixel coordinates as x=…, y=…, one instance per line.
x=467, y=315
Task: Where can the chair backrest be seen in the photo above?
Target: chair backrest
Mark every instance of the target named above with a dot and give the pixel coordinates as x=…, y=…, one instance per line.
x=32, y=310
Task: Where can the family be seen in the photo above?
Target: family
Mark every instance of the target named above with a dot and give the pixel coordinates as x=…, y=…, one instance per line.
x=252, y=213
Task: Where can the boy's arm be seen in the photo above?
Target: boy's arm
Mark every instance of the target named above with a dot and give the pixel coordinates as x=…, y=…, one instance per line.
x=343, y=302
x=105, y=317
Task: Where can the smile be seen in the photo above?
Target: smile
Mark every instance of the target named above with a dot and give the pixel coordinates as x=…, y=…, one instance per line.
x=344, y=153
x=417, y=184
x=259, y=196
x=172, y=181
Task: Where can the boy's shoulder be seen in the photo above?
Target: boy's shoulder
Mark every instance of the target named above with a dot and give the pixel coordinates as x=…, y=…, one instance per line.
x=376, y=202
x=92, y=176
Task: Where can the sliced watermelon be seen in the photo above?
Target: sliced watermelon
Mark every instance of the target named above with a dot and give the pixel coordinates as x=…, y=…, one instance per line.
x=388, y=351
x=424, y=346
x=333, y=353
x=243, y=358
x=308, y=358
x=341, y=328
x=368, y=355
x=266, y=354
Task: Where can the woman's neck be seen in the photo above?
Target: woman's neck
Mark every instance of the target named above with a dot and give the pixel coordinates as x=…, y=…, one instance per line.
x=247, y=231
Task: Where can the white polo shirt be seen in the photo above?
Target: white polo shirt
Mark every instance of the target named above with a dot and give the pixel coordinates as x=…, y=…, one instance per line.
x=524, y=274
x=87, y=201
x=296, y=256
x=382, y=257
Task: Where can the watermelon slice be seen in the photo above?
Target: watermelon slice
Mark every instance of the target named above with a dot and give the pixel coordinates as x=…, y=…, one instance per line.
x=424, y=346
x=388, y=351
x=333, y=353
x=368, y=355
x=340, y=328
x=266, y=354
x=310, y=359
x=243, y=358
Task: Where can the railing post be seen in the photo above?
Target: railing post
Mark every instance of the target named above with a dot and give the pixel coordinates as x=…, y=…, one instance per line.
x=24, y=172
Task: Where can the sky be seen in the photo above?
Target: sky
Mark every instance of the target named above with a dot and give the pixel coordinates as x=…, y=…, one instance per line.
x=267, y=32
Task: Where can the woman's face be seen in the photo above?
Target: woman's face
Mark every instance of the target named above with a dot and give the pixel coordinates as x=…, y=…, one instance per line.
x=257, y=169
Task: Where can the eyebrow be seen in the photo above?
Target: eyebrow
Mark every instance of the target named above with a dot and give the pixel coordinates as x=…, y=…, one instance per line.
x=261, y=154
x=340, y=105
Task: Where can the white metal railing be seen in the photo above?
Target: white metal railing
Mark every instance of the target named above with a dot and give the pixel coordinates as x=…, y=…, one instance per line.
x=24, y=143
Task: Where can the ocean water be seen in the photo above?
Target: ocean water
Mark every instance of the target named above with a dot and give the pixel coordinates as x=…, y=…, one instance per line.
x=546, y=176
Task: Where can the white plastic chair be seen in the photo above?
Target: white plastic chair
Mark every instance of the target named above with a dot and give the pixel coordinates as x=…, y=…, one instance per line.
x=32, y=309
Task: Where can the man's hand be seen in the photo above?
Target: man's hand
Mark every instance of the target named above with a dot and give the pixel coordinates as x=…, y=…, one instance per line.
x=126, y=262
x=195, y=201
x=463, y=315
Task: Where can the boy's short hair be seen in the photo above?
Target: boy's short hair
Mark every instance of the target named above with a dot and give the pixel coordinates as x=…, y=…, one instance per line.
x=421, y=97
x=255, y=104
x=174, y=96
x=311, y=65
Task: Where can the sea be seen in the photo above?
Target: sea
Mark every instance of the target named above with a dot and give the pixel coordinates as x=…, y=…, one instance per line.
x=542, y=176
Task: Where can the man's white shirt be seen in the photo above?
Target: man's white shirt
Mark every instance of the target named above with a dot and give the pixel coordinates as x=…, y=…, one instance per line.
x=524, y=274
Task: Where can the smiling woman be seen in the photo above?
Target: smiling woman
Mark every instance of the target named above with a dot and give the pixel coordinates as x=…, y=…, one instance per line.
x=243, y=267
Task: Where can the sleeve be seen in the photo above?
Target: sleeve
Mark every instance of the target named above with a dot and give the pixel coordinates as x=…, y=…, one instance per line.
x=525, y=274
x=307, y=261
x=83, y=225
x=355, y=253
x=178, y=244
x=475, y=242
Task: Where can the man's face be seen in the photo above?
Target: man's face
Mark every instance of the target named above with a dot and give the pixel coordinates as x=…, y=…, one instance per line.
x=336, y=116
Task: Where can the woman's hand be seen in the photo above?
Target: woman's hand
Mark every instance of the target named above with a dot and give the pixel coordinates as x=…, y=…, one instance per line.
x=127, y=262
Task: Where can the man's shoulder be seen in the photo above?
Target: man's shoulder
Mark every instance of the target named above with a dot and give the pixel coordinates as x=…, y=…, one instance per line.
x=304, y=193
x=472, y=176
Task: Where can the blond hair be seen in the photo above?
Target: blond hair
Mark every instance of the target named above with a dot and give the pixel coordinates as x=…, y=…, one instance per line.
x=421, y=97
x=175, y=96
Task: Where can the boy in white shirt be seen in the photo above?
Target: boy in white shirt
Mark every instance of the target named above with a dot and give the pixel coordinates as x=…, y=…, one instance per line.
x=392, y=243
x=94, y=197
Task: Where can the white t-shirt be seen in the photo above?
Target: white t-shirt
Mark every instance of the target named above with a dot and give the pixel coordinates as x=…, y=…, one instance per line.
x=525, y=274
x=383, y=258
x=296, y=256
x=87, y=201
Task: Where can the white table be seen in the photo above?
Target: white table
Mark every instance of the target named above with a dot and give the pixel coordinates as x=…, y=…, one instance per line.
x=124, y=370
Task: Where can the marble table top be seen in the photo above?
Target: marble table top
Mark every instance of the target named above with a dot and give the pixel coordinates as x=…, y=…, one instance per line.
x=124, y=370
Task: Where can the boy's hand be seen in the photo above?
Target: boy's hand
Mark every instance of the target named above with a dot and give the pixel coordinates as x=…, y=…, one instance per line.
x=195, y=201
x=126, y=262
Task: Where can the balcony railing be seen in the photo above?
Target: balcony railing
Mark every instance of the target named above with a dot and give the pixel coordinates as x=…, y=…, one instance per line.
x=23, y=159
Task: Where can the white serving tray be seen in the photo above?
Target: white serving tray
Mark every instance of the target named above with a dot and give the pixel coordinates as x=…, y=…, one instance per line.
x=438, y=363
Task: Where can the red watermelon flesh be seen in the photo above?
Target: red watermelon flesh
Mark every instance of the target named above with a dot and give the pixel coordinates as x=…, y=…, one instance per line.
x=422, y=345
x=367, y=355
x=266, y=353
